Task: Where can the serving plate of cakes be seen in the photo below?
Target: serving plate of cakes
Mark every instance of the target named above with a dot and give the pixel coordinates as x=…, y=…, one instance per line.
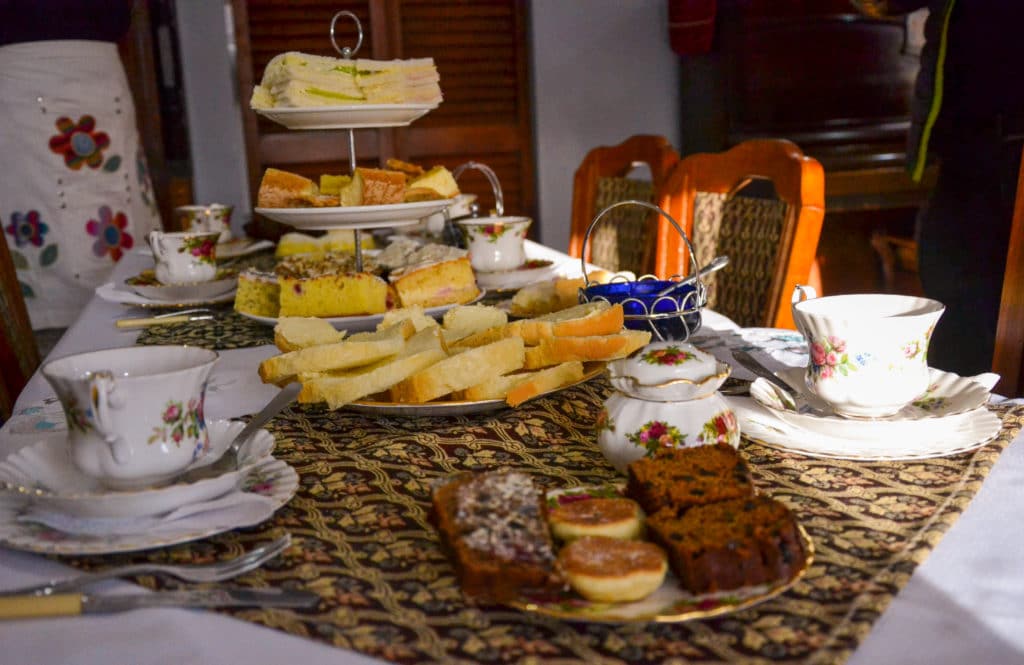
x=687, y=537
x=386, y=215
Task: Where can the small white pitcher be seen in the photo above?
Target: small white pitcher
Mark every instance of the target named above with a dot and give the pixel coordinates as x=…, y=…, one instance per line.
x=135, y=415
x=185, y=257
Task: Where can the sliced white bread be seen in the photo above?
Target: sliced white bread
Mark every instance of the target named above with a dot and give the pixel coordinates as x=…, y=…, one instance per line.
x=464, y=320
x=461, y=371
x=413, y=313
x=544, y=381
x=592, y=318
x=555, y=350
x=346, y=388
x=404, y=327
x=428, y=339
x=342, y=355
x=292, y=333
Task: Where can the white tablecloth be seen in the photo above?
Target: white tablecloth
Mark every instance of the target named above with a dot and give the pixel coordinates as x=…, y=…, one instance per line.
x=965, y=604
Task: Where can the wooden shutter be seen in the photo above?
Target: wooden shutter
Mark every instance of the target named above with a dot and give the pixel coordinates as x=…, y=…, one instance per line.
x=480, y=51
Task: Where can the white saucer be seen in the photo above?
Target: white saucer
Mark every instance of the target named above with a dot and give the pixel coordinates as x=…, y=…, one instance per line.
x=241, y=247
x=512, y=280
x=145, y=284
x=265, y=489
x=43, y=473
x=121, y=296
x=960, y=434
x=948, y=396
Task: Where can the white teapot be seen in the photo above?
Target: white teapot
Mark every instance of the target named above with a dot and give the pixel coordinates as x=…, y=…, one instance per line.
x=666, y=396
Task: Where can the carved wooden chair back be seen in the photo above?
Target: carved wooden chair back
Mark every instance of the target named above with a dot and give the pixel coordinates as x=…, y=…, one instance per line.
x=771, y=242
x=624, y=240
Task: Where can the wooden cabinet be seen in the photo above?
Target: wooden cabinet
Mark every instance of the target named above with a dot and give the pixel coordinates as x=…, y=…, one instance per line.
x=836, y=83
x=480, y=49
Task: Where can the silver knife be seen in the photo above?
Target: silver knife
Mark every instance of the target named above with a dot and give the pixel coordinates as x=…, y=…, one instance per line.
x=755, y=366
x=73, y=604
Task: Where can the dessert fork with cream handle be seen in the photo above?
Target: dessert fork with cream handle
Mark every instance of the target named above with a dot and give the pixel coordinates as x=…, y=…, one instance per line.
x=200, y=573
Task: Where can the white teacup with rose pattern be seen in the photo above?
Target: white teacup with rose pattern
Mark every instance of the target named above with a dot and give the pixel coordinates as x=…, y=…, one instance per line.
x=214, y=217
x=495, y=243
x=868, y=353
x=134, y=415
x=184, y=258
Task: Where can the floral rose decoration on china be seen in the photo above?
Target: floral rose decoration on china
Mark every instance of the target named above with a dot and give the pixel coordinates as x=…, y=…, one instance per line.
x=670, y=355
x=199, y=247
x=829, y=356
x=719, y=429
x=657, y=434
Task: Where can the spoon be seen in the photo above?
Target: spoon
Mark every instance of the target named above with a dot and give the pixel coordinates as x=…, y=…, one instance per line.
x=229, y=461
x=715, y=264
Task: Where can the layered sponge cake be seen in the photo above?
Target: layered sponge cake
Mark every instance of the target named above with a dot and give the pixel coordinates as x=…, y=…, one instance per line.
x=329, y=286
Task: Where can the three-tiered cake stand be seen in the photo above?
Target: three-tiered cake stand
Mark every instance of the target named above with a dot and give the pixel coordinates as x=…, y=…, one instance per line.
x=351, y=118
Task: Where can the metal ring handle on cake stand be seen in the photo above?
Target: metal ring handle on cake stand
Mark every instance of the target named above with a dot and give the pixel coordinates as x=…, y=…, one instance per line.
x=499, y=199
x=696, y=299
x=450, y=234
x=347, y=53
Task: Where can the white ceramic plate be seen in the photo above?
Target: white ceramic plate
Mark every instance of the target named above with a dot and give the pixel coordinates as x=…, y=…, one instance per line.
x=455, y=408
x=355, y=217
x=241, y=247
x=116, y=294
x=146, y=285
x=360, y=323
x=947, y=397
x=961, y=434
x=353, y=116
x=535, y=270
x=273, y=480
x=43, y=472
x=669, y=603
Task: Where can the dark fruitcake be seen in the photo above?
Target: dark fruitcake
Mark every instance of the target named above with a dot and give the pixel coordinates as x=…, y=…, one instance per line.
x=729, y=544
x=684, y=477
x=493, y=525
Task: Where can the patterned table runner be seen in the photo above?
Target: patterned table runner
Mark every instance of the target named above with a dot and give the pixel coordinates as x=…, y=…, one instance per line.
x=363, y=541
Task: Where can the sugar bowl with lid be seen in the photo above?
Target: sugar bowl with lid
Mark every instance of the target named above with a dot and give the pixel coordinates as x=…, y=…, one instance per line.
x=666, y=396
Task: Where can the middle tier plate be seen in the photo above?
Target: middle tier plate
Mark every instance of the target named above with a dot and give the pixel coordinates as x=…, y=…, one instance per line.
x=364, y=321
x=389, y=215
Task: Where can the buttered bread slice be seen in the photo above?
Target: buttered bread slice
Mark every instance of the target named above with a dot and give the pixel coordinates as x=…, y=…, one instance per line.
x=342, y=355
x=461, y=371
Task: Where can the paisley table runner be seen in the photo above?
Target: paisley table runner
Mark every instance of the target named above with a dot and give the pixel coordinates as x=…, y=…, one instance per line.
x=364, y=543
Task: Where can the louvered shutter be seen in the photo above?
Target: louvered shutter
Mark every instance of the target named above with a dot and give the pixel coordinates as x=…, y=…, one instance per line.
x=480, y=52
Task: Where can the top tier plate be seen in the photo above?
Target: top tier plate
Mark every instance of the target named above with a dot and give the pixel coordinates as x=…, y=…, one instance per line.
x=352, y=116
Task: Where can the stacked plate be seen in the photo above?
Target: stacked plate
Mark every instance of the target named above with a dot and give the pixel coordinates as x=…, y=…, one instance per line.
x=948, y=418
x=48, y=505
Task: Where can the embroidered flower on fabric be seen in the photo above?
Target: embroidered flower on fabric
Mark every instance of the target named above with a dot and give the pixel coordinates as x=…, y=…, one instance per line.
x=79, y=143
x=27, y=228
x=111, y=238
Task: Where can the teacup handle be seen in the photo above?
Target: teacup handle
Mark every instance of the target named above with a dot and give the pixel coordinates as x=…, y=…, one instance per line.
x=154, y=243
x=802, y=292
x=104, y=395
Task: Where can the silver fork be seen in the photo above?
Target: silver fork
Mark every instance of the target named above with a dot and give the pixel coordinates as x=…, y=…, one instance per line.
x=212, y=572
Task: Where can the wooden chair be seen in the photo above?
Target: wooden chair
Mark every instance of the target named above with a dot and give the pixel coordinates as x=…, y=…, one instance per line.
x=770, y=243
x=624, y=239
x=1008, y=356
x=18, y=354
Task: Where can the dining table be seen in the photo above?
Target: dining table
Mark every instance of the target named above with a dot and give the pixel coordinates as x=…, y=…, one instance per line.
x=915, y=561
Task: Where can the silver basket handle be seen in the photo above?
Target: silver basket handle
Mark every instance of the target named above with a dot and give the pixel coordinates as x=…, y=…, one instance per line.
x=695, y=267
x=499, y=200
